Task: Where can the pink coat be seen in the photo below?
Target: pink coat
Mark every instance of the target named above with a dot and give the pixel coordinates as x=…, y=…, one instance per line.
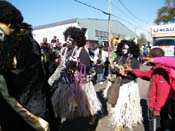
x=167, y=61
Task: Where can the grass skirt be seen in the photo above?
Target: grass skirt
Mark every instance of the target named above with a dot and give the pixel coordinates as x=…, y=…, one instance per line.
x=75, y=101
x=127, y=111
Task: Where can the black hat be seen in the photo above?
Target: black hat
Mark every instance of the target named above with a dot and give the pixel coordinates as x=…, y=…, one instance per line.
x=9, y=14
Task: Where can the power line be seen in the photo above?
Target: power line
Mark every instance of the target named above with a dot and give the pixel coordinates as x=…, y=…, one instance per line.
x=129, y=11
x=141, y=28
x=104, y=12
x=123, y=20
x=121, y=11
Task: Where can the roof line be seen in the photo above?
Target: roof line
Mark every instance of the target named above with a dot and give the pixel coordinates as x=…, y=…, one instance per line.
x=66, y=22
x=56, y=23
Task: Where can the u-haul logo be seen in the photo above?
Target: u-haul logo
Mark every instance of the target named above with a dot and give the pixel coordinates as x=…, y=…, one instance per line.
x=168, y=29
x=163, y=30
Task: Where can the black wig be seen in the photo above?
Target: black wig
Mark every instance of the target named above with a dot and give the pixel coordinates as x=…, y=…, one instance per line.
x=133, y=48
x=77, y=34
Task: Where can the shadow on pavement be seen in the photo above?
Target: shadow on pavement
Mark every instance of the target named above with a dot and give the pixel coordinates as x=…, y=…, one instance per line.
x=103, y=102
x=79, y=124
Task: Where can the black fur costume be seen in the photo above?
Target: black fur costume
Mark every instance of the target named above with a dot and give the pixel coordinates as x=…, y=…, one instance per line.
x=21, y=70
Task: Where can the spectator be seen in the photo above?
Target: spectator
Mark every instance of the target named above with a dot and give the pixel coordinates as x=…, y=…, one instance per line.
x=57, y=45
x=53, y=41
x=145, y=51
x=99, y=69
x=43, y=42
x=47, y=53
x=104, y=55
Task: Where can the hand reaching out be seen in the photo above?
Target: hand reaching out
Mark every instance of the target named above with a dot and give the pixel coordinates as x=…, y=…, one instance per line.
x=112, y=66
x=155, y=113
x=127, y=68
x=122, y=71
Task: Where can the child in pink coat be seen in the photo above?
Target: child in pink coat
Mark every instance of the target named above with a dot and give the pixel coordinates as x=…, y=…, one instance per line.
x=161, y=76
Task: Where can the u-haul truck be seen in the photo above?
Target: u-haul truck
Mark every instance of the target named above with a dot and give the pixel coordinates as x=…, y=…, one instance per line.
x=164, y=37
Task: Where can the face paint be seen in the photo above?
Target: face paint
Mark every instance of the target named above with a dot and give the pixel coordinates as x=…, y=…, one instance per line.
x=2, y=35
x=69, y=40
x=125, y=49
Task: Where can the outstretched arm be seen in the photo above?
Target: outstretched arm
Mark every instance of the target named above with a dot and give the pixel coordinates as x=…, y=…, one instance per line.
x=167, y=61
x=139, y=73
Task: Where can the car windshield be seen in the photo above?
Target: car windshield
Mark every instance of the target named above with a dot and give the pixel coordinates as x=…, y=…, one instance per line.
x=164, y=42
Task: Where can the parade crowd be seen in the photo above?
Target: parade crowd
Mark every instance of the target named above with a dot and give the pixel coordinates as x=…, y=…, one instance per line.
x=44, y=84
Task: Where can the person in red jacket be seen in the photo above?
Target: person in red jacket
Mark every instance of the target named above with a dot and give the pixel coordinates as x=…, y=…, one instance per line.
x=166, y=61
x=160, y=86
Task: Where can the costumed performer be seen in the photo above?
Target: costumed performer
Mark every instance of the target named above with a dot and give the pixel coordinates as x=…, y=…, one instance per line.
x=25, y=103
x=73, y=92
x=127, y=110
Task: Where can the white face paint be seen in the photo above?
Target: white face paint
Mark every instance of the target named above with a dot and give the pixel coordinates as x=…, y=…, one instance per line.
x=69, y=40
x=125, y=49
x=2, y=35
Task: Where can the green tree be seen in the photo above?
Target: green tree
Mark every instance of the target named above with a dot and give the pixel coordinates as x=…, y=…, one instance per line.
x=166, y=14
x=141, y=40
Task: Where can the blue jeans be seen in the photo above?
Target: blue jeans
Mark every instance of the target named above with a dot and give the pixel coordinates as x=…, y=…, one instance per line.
x=99, y=77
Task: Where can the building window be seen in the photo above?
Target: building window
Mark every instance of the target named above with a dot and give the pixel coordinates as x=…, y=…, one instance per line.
x=101, y=35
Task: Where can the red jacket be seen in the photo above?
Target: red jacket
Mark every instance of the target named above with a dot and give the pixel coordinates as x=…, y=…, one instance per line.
x=159, y=85
x=169, y=62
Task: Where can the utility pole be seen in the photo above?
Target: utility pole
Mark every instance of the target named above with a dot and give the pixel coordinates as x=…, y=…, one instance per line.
x=109, y=25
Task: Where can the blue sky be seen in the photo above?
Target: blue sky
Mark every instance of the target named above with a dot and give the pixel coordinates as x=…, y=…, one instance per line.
x=140, y=18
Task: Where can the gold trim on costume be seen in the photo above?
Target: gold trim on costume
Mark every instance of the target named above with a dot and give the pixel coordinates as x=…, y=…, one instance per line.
x=5, y=28
x=36, y=122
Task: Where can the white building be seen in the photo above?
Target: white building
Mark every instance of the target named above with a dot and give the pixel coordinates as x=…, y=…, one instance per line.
x=96, y=29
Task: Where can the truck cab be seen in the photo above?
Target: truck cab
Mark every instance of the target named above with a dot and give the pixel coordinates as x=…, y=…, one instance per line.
x=164, y=37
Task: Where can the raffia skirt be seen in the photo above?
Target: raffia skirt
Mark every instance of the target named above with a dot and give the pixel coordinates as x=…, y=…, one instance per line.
x=71, y=102
x=127, y=112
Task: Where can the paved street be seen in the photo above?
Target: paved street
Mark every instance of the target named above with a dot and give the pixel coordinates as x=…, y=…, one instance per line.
x=102, y=124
